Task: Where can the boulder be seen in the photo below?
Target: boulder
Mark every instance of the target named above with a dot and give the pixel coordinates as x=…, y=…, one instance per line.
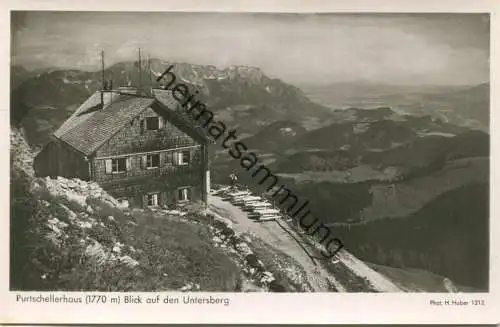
x=128, y=261
x=243, y=248
x=69, y=212
x=252, y=260
x=186, y=287
x=275, y=286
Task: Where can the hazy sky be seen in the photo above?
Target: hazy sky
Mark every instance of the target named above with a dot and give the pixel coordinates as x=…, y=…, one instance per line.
x=298, y=48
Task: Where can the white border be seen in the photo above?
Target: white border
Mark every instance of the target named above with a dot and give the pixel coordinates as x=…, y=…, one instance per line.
x=258, y=308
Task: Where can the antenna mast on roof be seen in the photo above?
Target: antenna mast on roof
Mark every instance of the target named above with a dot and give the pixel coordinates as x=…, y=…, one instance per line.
x=103, y=81
x=140, y=73
x=149, y=74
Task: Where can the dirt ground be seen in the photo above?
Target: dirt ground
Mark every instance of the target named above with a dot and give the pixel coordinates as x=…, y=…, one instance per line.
x=272, y=234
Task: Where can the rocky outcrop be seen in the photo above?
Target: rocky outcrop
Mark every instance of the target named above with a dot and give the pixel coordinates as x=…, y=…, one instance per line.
x=82, y=221
x=77, y=190
x=239, y=246
x=20, y=152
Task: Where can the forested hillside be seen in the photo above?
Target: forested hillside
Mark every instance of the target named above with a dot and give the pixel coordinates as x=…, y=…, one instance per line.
x=448, y=236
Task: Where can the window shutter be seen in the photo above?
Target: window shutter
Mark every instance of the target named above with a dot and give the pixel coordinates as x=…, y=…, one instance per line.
x=161, y=198
x=144, y=200
x=176, y=158
x=127, y=164
x=144, y=161
x=207, y=181
x=143, y=126
x=160, y=122
x=108, y=164
x=163, y=159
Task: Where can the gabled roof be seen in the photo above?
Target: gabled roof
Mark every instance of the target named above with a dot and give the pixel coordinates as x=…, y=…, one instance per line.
x=91, y=126
x=76, y=118
x=87, y=134
x=166, y=98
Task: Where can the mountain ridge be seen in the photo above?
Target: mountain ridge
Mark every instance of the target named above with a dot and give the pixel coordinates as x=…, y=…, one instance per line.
x=44, y=101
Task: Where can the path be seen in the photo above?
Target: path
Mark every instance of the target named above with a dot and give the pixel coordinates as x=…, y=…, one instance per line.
x=271, y=233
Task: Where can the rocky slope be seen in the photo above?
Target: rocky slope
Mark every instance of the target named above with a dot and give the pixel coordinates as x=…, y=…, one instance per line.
x=84, y=239
x=21, y=155
x=68, y=234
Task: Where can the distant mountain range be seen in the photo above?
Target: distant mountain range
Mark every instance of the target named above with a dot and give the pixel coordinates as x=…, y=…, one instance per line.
x=460, y=105
x=19, y=74
x=243, y=97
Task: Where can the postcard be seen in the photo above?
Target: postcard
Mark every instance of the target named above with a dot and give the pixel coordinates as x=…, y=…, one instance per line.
x=250, y=163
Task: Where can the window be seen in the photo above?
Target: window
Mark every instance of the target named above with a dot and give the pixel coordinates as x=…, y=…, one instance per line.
x=184, y=157
x=153, y=161
x=184, y=194
x=116, y=165
x=152, y=123
x=152, y=199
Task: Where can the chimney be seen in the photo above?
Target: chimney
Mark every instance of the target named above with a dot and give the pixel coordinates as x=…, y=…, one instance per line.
x=127, y=90
x=107, y=97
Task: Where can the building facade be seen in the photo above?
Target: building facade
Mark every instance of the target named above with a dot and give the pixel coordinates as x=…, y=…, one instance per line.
x=138, y=148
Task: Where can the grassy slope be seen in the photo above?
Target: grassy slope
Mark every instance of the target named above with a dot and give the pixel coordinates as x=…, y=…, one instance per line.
x=56, y=256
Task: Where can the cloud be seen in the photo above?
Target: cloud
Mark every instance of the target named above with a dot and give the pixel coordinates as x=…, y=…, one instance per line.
x=304, y=48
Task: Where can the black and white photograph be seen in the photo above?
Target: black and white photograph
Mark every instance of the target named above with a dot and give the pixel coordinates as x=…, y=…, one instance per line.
x=238, y=152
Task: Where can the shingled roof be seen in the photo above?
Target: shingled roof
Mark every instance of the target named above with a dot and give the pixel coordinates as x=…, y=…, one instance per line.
x=87, y=132
x=91, y=126
x=167, y=99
